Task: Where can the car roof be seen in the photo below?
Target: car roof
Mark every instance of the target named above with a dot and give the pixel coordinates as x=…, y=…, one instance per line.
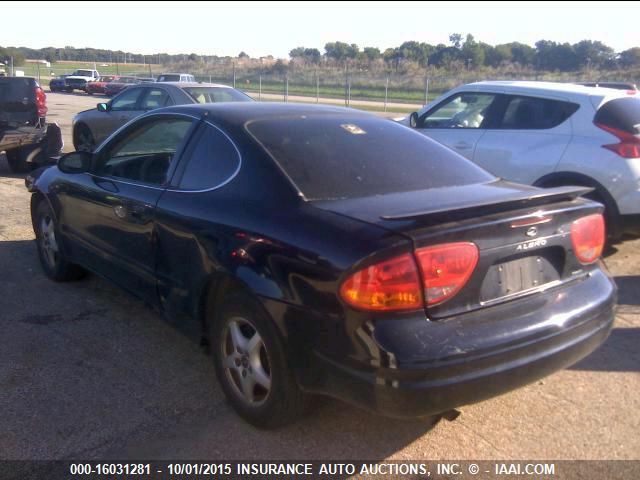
x=548, y=87
x=193, y=84
x=174, y=73
x=239, y=113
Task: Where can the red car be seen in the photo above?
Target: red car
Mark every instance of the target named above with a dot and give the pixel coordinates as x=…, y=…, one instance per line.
x=99, y=85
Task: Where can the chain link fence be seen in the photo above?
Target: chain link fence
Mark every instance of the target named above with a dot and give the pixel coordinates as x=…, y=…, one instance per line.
x=381, y=91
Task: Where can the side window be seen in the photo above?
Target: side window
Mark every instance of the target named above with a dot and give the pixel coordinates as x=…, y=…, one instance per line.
x=155, y=98
x=211, y=160
x=531, y=113
x=127, y=101
x=464, y=110
x=145, y=152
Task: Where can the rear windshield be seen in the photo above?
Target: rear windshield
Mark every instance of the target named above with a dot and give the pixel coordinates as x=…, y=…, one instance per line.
x=16, y=89
x=621, y=113
x=330, y=157
x=169, y=78
x=215, y=95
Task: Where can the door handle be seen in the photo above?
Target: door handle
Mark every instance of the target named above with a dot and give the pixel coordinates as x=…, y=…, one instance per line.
x=462, y=146
x=135, y=213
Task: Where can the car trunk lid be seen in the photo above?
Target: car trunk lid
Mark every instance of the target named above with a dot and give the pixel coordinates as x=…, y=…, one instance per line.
x=523, y=234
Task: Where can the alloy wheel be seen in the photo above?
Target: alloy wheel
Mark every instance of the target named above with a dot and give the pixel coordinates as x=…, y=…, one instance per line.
x=246, y=361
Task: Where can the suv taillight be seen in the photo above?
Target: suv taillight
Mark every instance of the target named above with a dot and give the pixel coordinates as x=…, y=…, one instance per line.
x=395, y=284
x=588, y=237
x=41, y=102
x=446, y=269
x=629, y=145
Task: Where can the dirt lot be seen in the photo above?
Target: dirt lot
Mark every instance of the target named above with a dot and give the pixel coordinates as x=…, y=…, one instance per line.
x=88, y=372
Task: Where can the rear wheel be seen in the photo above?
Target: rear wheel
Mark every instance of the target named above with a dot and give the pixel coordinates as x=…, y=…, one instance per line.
x=24, y=159
x=83, y=140
x=600, y=195
x=53, y=261
x=251, y=366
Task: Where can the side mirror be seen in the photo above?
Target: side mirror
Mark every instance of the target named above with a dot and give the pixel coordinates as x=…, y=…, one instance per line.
x=103, y=107
x=75, y=162
x=413, y=120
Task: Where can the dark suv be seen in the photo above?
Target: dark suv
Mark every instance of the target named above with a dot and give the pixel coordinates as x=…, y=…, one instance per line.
x=25, y=136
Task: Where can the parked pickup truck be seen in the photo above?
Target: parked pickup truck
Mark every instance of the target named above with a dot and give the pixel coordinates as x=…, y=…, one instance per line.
x=25, y=136
x=78, y=80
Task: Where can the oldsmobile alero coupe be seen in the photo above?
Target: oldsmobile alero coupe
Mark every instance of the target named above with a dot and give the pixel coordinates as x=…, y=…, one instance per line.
x=322, y=250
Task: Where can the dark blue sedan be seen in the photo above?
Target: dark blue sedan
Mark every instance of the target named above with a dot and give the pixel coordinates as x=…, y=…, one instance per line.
x=327, y=251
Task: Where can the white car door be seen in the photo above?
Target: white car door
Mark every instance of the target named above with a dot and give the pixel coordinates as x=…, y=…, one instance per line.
x=457, y=121
x=529, y=139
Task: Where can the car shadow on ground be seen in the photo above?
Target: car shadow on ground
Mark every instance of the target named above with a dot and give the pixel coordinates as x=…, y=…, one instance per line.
x=620, y=352
x=124, y=384
x=628, y=290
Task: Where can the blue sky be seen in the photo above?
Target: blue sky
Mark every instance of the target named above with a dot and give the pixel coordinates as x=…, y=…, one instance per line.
x=263, y=28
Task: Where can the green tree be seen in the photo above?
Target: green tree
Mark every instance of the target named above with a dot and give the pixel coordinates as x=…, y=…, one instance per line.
x=372, y=53
x=592, y=53
x=456, y=40
x=472, y=52
x=340, y=51
x=630, y=57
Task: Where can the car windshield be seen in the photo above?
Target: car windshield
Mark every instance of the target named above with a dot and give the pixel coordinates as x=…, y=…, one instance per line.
x=330, y=157
x=216, y=95
x=83, y=73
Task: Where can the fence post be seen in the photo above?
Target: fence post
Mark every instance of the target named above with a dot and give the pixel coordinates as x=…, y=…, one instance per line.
x=346, y=83
x=426, y=90
x=349, y=92
x=234, y=74
x=260, y=87
x=386, y=93
x=209, y=78
x=317, y=87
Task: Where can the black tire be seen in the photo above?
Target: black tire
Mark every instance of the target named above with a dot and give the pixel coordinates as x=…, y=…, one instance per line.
x=83, y=139
x=283, y=402
x=18, y=158
x=53, y=262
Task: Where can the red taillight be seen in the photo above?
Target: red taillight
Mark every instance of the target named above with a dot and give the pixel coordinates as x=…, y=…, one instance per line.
x=395, y=284
x=446, y=269
x=629, y=146
x=390, y=285
x=587, y=237
x=41, y=102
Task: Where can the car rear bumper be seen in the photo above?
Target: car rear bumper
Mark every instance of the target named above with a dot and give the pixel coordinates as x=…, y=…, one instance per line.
x=427, y=367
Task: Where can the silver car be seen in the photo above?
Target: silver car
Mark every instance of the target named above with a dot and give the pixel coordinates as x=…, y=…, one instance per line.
x=92, y=127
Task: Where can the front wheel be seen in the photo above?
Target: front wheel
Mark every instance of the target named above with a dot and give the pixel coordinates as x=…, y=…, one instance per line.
x=251, y=365
x=52, y=259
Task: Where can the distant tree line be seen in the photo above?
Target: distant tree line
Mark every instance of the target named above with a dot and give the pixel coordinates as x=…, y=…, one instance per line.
x=469, y=53
x=460, y=52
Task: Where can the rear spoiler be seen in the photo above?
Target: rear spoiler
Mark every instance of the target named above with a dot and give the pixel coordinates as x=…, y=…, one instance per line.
x=512, y=202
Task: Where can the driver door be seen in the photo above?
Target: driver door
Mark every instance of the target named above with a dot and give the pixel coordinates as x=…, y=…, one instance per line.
x=124, y=107
x=458, y=121
x=111, y=211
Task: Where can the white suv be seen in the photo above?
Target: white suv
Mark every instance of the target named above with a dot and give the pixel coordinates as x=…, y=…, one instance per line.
x=547, y=134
